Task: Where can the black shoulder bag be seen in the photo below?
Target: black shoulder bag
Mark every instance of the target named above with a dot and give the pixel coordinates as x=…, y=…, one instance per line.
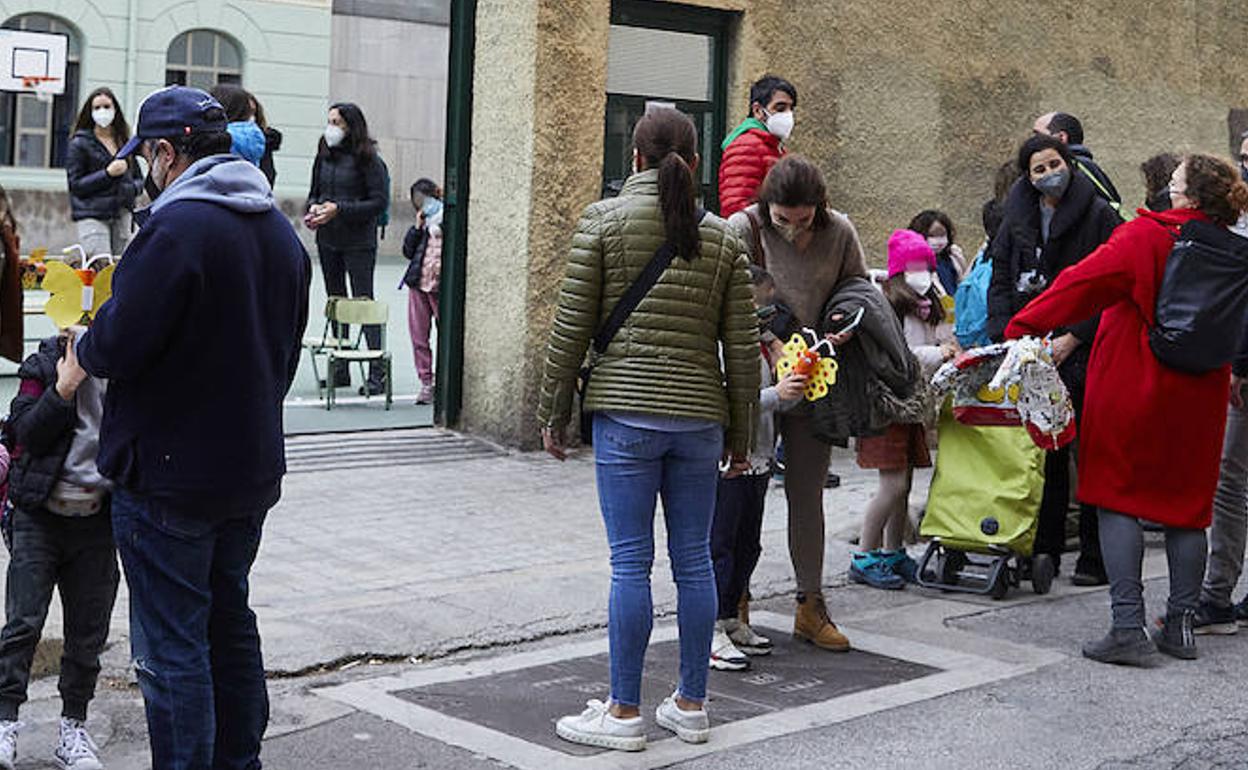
x=619, y=314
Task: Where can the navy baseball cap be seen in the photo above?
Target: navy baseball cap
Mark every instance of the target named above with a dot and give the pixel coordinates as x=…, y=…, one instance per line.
x=175, y=111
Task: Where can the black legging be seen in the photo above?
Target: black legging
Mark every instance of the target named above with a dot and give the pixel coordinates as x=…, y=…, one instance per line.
x=336, y=265
x=1051, y=529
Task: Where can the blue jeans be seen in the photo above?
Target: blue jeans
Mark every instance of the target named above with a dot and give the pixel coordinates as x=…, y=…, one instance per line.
x=194, y=641
x=634, y=467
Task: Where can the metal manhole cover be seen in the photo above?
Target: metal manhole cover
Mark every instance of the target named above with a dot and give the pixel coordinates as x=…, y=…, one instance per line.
x=525, y=703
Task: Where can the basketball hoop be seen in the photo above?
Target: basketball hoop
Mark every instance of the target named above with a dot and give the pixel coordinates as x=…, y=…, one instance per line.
x=43, y=86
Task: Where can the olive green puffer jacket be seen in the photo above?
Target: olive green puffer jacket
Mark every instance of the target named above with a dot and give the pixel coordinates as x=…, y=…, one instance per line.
x=665, y=360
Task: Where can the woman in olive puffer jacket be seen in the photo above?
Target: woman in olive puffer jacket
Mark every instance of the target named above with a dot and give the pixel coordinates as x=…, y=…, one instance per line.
x=663, y=406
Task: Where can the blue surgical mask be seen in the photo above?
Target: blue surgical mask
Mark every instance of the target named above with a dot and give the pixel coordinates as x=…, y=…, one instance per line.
x=432, y=207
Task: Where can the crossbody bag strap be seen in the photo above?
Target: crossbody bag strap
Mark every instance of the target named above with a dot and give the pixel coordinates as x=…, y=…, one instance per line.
x=650, y=275
x=759, y=258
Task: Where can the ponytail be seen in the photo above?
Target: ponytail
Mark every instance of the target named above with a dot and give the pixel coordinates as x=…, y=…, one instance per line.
x=678, y=203
x=668, y=140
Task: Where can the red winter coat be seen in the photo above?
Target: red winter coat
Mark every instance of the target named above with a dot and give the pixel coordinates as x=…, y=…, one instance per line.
x=745, y=163
x=1151, y=438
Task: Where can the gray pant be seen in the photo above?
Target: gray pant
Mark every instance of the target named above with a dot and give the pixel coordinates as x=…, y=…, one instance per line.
x=1230, y=514
x=1122, y=545
x=98, y=236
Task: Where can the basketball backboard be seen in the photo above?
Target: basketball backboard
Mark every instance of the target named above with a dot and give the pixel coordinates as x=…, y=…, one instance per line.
x=32, y=62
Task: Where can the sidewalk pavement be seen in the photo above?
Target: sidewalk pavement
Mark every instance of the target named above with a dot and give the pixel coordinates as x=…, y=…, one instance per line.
x=419, y=558
x=453, y=548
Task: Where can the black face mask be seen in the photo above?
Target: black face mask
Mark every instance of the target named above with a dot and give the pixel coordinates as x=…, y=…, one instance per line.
x=1160, y=201
x=1243, y=171
x=149, y=186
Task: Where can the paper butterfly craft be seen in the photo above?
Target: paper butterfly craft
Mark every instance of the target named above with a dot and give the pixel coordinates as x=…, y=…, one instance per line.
x=803, y=359
x=77, y=294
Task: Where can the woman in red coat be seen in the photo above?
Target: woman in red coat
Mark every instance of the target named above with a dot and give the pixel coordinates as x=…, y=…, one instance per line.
x=1152, y=436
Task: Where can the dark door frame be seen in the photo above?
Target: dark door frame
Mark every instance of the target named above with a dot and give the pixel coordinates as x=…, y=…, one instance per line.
x=449, y=399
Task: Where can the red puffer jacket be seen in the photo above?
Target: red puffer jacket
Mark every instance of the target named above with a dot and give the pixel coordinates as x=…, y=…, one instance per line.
x=746, y=161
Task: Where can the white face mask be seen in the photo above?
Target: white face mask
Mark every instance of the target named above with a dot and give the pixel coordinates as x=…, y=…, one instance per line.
x=780, y=124
x=938, y=244
x=921, y=282
x=103, y=116
x=334, y=135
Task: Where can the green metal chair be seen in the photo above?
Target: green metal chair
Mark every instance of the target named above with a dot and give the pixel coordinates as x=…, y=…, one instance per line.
x=361, y=313
x=327, y=341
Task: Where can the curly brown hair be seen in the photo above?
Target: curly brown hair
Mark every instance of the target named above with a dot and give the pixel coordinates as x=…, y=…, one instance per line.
x=1216, y=188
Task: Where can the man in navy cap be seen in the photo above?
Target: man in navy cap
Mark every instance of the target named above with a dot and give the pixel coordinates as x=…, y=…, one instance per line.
x=200, y=342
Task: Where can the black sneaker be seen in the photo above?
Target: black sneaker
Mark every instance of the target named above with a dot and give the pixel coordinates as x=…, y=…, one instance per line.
x=1089, y=572
x=371, y=389
x=1241, y=612
x=1174, y=634
x=1212, y=620
x=1123, y=647
x=1087, y=577
x=833, y=481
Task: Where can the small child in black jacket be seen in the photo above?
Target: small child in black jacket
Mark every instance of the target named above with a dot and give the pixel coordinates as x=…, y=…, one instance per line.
x=59, y=533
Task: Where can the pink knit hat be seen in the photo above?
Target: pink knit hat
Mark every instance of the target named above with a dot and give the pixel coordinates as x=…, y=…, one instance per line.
x=905, y=248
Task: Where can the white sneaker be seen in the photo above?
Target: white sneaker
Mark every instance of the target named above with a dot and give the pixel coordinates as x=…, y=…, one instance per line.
x=689, y=726
x=596, y=727
x=76, y=750
x=8, y=744
x=724, y=655
x=745, y=640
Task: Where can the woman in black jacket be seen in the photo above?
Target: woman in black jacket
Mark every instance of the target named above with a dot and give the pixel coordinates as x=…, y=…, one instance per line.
x=102, y=189
x=348, y=195
x=1053, y=219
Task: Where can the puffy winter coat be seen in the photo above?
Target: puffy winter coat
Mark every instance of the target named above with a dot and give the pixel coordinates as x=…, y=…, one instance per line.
x=1151, y=436
x=42, y=424
x=359, y=189
x=747, y=159
x=665, y=360
x=93, y=194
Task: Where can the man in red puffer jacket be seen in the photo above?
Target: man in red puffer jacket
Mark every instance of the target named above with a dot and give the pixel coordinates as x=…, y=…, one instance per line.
x=752, y=147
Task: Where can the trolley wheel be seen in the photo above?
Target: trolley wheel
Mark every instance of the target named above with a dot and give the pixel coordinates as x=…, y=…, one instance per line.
x=953, y=563
x=1043, y=570
x=1002, y=585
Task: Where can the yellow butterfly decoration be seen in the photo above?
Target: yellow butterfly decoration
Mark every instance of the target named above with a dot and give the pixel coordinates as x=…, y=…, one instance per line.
x=819, y=369
x=76, y=294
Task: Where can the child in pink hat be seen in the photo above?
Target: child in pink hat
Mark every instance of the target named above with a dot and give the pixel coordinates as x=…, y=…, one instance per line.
x=913, y=292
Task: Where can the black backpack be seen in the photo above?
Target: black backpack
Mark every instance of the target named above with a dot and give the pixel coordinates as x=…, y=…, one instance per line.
x=1203, y=300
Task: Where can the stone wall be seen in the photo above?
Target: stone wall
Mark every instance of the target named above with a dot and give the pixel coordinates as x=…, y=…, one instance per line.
x=905, y=106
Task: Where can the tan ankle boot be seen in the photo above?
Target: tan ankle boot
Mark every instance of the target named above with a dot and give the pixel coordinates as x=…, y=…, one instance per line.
x=812, y=625
x=743, y=609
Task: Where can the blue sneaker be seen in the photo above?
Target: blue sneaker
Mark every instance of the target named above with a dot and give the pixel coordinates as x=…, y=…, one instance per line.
x=869, y=569
x=901, y=564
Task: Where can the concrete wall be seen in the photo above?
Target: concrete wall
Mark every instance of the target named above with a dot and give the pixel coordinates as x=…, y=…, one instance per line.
x=905, y=105
x=286, y=56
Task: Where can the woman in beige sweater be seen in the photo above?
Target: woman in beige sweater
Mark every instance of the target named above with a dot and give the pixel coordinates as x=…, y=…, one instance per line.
x=809, y=249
